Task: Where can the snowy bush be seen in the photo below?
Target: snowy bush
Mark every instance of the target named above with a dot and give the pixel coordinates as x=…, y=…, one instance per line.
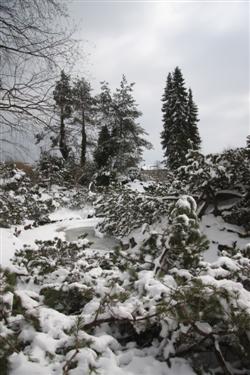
x=69, y=309
x=217, y=177
x=21, y=199
x=184, y=242
x=124, y=210
x=203, y=319
x=239, y=214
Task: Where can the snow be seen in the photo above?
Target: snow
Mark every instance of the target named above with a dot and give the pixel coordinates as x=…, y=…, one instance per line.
x=137, y=185
x=226, y=262
x=204, y=327
x=8, y=245
x=17, y=176
x=139, y=364
x=105, y=353
x=69, y=214
x=42, y=233
x=20, y=365
x=54, y=323
x=219, y=232
x=67, y=220
x=186, y=202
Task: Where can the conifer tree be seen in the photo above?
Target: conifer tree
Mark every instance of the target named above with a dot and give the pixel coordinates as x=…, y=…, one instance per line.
x=185, y=242
x=83, y=106
x=104, y=104
x=166, y=109
x=63, y=98
x=127, y=135
x=103, y=151
x=119, y=112
x=192, y=121
x=180, y=117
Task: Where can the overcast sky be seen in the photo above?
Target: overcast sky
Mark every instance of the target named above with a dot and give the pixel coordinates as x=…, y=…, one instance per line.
x=208, y=40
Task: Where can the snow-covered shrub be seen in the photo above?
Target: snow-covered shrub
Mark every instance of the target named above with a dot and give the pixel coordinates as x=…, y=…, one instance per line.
x=7, y=284
x=203, y=318
x=233, y=264
x=49, y=257
x=11, y=178
x=219, y=177
x=8, y=331
x=203, y=174
x=55, y=170
x=106, y=177
x=134, y=173
x=179, y=245
x=75, y=309
x=171, y=188
x=184, y=242
x=21, y=199
x=21, y=204
x=213, y=325
x=124, y=210
x=236, y=162
x=239, y=214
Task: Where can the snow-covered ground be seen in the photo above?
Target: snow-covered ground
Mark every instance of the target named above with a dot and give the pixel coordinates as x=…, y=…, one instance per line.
x=12, y=239
x=9, y=243
x=220, y=233
x=69, y=225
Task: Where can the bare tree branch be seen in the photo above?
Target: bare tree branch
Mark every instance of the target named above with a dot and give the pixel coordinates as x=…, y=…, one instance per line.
x=34, y=43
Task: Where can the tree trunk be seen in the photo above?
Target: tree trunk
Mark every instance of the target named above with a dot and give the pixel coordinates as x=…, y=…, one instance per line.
x=83, y=146
x=62, y=143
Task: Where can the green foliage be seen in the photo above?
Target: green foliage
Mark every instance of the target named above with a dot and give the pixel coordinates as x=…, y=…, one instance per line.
x=192, y=121
x=240, y=213
x=104, y=151
x=217, y=177
x=83, y=105
x=180, y=118
x=22, y=199
x=63, y=99
x=124, y=210
x=52, y=255
x=203, y=174
x=153, y=290
x=211, y=314
x=228, y=170
x=7, y=285
x=127, y=136
x=185, y=242
x=184, y=315
x=121, y=137
x=68, y=299
x=55, y=170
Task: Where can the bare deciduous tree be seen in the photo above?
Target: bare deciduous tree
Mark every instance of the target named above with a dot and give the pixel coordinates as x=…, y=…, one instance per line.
x=33, y=43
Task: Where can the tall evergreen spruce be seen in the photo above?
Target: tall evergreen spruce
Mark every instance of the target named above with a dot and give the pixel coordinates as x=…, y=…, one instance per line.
x=166, y=109
x=63, y=98
x=180, y=118
x=103, y=152
x=192, y=121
